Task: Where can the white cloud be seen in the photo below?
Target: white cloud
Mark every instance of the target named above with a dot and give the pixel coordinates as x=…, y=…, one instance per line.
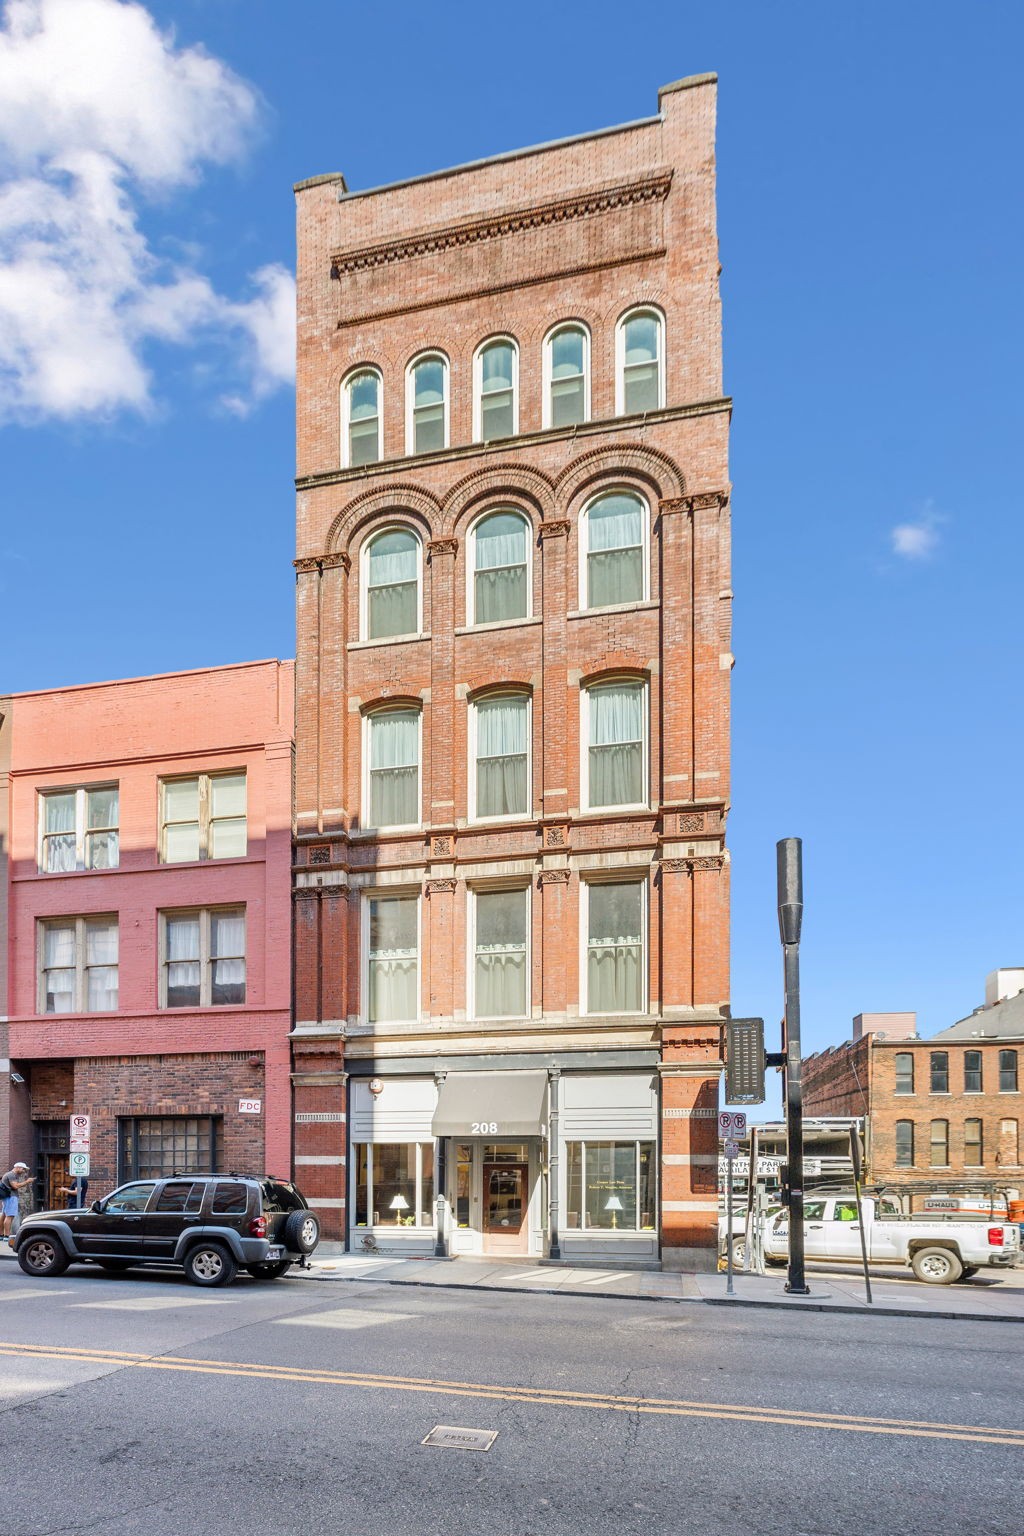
x=918, y=540
x=100, y=112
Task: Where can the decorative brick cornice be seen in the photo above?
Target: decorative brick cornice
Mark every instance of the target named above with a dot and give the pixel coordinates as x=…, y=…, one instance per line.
x=443, y=547
x=554, y=877
x=648, y=189
x=337, y=560
x=557, y=529
x=657, y=469
x=440, y=887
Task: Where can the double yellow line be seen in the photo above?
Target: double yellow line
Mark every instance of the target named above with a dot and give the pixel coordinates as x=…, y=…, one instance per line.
x=551, y=1397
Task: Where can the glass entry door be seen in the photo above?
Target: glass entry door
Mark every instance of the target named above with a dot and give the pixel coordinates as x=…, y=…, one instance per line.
x=506, y=1198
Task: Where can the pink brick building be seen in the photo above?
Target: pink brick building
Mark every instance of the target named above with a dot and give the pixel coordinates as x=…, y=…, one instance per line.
x=146, y=829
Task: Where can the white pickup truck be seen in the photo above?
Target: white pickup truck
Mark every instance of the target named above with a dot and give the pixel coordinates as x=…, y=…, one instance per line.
x=938, y=1251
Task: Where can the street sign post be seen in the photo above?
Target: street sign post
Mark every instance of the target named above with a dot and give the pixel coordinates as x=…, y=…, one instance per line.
x=79, y=1168
x=732, y=1124
x=80, y=1133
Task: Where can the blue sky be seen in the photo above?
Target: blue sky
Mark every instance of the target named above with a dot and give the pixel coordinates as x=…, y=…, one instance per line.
x=870, y=224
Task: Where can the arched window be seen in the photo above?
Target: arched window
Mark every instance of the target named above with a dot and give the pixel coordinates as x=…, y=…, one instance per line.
x=615, y=733
x=427, y=404
x=361, y=418
x=496, y=405
x=499, y=770
x=640, y=362
x=566, y=376
x=615, y=547
x=499, y=568
x=904, y=1143
x=392, y=755
x=392, y=584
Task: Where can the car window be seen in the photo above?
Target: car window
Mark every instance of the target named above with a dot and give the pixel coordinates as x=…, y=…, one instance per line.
x=814, y=1210
x=132, y=1197
x=175, y=1197
x=889, y=1209
x=229, y=1199
x=195, y=1197
x=280, y=1197
x=845, y=1210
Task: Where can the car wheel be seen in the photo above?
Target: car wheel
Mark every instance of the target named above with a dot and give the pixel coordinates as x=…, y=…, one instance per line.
x=210, y=1264
x=270, y=1271
x=969, y=1271
x=739, y=1252
x=936, y=1266
x=301, y=1232
x=42, y=1256
x=114, y=1266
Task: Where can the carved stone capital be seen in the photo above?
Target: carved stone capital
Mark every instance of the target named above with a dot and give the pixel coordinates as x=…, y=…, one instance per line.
x=675, y=504
x=559, y=876
x=440, y=887
x=337, y=561
x=692, y=865
x=442, y=547
x=708, y=501
x=558, y=528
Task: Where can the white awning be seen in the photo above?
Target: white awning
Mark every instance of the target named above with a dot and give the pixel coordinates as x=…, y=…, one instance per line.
x=491, y=1104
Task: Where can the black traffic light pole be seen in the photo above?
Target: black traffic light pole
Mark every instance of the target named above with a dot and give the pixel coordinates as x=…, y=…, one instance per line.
x=791, y=909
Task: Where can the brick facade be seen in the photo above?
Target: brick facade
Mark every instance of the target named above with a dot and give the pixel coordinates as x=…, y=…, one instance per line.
x=579, y=232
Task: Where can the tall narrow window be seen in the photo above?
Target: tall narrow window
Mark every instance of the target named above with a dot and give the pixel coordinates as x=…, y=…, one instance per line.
x=904, y=1071
x=904, y=1143
x=393, y=980
x=972, y=1072
x=392, y=584
x=500, y=568
x=615, y=754
x=1007, y=1071
x=394, y=756
x=362, y=418
x=939, y=1144
x=502, y=755
x=499, y=973
x=566, y=368
x=615, y=948
x=640, y=347
x=615, y=551
x=79, y=829
x=1009, y=1144
x=940, y=1072
x=974, y=1148
x=79, y=965
x=497, y=369
x=427, y=429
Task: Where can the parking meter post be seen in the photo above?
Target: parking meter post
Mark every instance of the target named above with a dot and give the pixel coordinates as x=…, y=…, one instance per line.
x=728, y=1228
x=748, y=1226
x=789, y=865
x=855, y=1160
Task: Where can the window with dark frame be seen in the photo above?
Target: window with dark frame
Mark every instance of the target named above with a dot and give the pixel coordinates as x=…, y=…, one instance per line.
x=155, y=1147
x=904, y=1067
x=904, y=1143
x=940, y=1072
x=1007, y=1071
x=939, y=1144
x=974, y=1144
x=972, y=1072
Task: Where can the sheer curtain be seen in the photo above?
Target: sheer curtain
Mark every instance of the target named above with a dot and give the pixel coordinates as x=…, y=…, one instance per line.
x=392, y=581
x=227, y=956
x=500, y=579
x=182, y=939
x=501, y=753
x=394, y=768
x=101, y=821
x=616, y=744
x=393, y=959
x=59, y=834
x=59, y=966
x=615, y=551
x=615, y=948
x=501, y=954
x=101, y=966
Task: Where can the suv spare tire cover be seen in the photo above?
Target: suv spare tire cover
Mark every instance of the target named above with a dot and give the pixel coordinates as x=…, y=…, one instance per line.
x=301, y=1232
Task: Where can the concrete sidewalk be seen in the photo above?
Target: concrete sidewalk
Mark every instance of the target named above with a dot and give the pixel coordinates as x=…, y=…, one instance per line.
x=993, y=1296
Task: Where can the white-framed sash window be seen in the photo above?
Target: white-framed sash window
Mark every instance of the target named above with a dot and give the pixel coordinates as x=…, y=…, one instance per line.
x=615, y=733
x=392, y=946
x=78, y=829
x=203, y=816
x=500, y=756
x=361, y=418
x=78, y=965
x=566, y=376
x=391, y=583
x=202, y=957
x=499, y=568
x=427, y=404
x=500, y=975
x=615, y=546
x=640, y=362
x=392, y=742
x=496, y=380
x=615, y=918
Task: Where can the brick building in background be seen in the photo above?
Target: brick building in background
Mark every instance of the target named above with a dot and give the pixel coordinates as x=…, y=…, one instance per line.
x=148, y=937
x=944, y=1112
x=511, y=884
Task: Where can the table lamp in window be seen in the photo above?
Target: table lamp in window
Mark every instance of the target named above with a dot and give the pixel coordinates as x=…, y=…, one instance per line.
x=613, y=1204
x=398, y=1205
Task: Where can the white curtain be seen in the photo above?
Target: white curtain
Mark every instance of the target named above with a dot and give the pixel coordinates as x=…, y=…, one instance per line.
x=500, y=543
x=59, y=965
x=616, y=744
x=496, y=367
x=59, y=834
x=393, y=968
x=182, y=960
x=501, y=954
x=101, y=829
x=501, y=749
x=615, y=553
x=392, y=583
x=394, y=769
x=227, y=951
x=615, y=949
x=101, y=966
x=181, y=818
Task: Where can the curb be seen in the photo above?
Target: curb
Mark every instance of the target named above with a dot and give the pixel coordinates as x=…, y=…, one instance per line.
x=844, y=1308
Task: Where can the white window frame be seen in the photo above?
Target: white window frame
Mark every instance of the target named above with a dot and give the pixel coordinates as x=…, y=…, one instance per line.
x=384, y=893
x=478, y=386
x=364, y=584
x=637, y=312
x=206, y=818
x=583, y=547
x=620, y=877
x=375, y=713
x=638, y=1142
x=347, y=381
x=389, y=1226
x=81, y=922
x=81, y=793
x=473, y=894
x=474, y=704
x=206, y=958
x=430, y=355
x=645, y=748
x=471, y=618
x=564, y=325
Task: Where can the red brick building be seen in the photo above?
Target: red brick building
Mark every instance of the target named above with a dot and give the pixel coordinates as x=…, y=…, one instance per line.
x=147, y=953
x=511, y=884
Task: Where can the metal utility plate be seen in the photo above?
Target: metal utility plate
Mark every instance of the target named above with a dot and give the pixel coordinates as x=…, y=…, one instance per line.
x=453, y=1437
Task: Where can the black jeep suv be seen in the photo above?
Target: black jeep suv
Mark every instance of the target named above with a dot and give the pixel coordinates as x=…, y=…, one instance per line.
x=208, y=1223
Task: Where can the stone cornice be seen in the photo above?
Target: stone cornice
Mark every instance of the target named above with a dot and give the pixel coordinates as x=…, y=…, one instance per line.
x=630, y=194
x=336, y=560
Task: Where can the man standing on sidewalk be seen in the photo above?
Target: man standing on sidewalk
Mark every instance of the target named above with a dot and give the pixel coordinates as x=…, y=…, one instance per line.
x=13, y=1182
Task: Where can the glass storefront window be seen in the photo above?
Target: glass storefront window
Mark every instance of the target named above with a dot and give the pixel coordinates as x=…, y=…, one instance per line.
x=611, y=1186
x=506, y=1152
x=395, y=1184
x=463, y=1184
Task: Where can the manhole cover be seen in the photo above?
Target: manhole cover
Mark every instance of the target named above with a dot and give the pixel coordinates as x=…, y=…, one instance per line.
x=453, y=1437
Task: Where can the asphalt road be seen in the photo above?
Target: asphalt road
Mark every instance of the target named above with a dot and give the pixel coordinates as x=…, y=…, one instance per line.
x=141, y=1404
